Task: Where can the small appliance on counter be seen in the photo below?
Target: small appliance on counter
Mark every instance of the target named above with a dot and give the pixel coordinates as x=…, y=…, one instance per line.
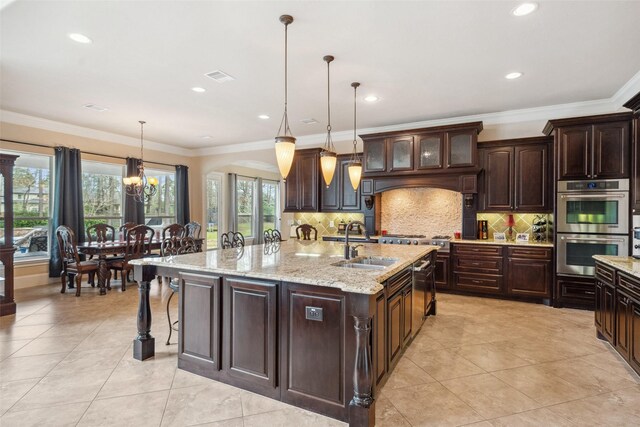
x=635, y=249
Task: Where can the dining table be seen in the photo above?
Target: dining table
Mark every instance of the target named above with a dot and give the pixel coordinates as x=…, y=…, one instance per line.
x=105, y=250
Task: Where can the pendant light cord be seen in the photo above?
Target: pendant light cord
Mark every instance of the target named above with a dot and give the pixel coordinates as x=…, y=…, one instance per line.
x=285, y=117
x=355, y=103
x=328, y=101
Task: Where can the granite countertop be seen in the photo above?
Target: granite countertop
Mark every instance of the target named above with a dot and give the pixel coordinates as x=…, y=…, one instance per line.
x=626, y=264
x=300, y=261
x=351, y=236
x=491, y=242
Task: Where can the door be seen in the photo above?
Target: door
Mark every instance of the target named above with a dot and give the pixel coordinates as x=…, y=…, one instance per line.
x=400, y=151
x=379, y=334
x=575, y=251
x=375, y=155
x=429, y=149
x=308, y=182
x=611, y=150
x=462, y=149
x=331, y=194
x=528, y=277
x=499, y=177
x=291, y=189
x=608, y=312
x=599, y=309
x=532, y=178
x=634, y=334
x=407, y=315
x=442, y=271
x=622, y=323
x=574, y=152
x=395, y=327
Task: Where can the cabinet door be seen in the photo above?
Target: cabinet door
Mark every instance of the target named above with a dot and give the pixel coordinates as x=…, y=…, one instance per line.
x=400, y=152
x=442, y=272
x=250, y=334
x=599, y=309
x=291, y=193
x=308, y=182
x=609, y=312
x=429, y=149
x=395, y=326
x=498, y=178
x=379, y=342
x=532, y=178
x=331, y=194
x=349, y=199
x=461, y=149
x=200, y=326
x=375, y=155
x=574, y=152
x=528, y=277
x=407, y=314
x=635, y=179
x=634, y=334
x=611, y=150
x=622, y=317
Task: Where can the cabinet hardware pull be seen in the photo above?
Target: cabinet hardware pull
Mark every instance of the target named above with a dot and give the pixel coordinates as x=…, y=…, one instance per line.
x=589, y=292
x=592, y=196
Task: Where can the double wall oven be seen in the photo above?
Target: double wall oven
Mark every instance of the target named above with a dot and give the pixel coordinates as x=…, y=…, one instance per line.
x=592, y=219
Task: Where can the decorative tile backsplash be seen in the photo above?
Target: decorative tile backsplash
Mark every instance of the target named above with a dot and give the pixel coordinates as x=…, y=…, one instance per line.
x=321, y=221
x=428, y=211
x=498, y=223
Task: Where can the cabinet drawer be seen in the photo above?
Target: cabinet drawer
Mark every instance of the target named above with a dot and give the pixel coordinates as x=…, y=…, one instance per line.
x=398, y=282
x=574, y=290
x=604, y=273
x=629, y=285
x=479, y=249
x=482, y=264
x=478, y=282
x=529, y=253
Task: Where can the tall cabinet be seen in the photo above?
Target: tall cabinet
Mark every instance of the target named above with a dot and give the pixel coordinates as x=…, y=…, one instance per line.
x=7, y=302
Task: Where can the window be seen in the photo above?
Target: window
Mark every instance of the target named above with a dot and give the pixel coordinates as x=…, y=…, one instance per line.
x=245, y=193
x=102, y=193
x=160, y=209
x=214, y=185
x=270, y=204
x=31, y=210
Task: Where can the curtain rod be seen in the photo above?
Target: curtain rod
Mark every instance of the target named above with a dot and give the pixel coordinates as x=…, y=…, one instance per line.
x=86, y=152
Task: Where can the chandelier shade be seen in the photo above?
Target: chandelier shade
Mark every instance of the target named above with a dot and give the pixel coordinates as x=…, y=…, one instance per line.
x=328, y=156
x=139, y=186
x=355, y=163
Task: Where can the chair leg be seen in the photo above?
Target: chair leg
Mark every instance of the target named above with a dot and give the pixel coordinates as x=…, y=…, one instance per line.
x=63, y=279
x=115, y=274
x=159, y=280
x=92, y=279
x=123, y=276
x=78, y=283
x=169, y=317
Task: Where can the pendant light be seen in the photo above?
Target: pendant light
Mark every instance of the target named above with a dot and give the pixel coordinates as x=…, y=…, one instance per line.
x=355, y=164
x=285, y=141
x=328, y=157
x=139, y=186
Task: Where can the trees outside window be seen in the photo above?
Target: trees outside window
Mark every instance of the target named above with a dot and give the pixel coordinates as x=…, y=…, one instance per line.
x=213, y=185
x=102, y=193
x=160, y=209
x=245, y=191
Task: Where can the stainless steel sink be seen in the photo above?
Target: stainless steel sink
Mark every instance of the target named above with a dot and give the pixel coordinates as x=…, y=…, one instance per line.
x=367, y=263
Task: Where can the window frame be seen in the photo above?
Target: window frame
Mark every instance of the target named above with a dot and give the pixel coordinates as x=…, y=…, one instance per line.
x=106, y=218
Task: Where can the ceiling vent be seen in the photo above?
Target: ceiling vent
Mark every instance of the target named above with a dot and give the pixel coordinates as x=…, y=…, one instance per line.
x=95, y=107
x=219, y=76
x=309, y=121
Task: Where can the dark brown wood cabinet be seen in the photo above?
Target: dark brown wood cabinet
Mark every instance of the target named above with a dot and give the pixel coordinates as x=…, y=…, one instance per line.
x=421, y=151
x=516, y=176
x=478, y=268
x=442, y=271
x=592, y=147
x=575, y=292
x=395, y=328
x=302, y=186
x=634, y=104
x=529, y=271
x=340, y=196
x=379, y=338
x=7, y=301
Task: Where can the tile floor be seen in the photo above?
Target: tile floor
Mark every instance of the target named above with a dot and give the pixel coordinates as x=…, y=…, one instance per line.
x=481, y=362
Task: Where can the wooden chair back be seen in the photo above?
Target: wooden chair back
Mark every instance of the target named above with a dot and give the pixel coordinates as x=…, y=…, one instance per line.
x=138, y=242
x=124, y=228
x=306, y=230
x=67, y=245
x=173, y=230
x=232, y=239
x=272, y=235
x=192, y=229
x=101, y=233
x=178, y=246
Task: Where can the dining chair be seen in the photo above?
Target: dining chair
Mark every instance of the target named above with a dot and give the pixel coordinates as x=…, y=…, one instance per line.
x=138, y=246
x=71, y=263
x=192, y=229
x=272, y=235
x=173, y=230
x=124, y=229
x=232, y=239
x=102, y=233
x=176, y=246
x=306, y=230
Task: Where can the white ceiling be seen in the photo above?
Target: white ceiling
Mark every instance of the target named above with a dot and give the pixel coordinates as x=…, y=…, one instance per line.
x=425, y=59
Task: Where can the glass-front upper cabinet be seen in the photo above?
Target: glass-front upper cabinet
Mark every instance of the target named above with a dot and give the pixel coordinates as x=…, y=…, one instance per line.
x=429, y=149
x=375, y=155
x=401, y=153
x=462, y=148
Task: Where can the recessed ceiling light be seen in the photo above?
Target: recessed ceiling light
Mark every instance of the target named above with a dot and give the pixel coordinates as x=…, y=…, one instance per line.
x=371, y=98
x=207, y=137
x=264, y=117
x=95, y=107
x=198, y=89
x=80, y=38
x=514, y=75
x=525, y=9
x=309, y=121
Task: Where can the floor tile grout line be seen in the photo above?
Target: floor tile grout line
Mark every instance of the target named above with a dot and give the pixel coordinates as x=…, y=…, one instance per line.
x=166, y=403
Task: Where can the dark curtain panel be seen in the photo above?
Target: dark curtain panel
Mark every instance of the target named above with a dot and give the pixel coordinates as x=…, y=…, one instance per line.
x=182, y=194
x=133, y=211
x=67, y=202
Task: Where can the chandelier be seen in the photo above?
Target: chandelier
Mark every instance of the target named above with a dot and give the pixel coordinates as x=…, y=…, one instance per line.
x=285, y=141
x=139, y=186
x=355, y=164
x=328, y=156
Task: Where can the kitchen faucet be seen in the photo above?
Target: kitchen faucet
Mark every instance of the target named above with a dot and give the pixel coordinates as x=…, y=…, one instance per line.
x=348, y=249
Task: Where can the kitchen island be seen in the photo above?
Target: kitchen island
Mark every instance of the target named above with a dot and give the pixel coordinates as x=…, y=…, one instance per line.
x=295, y=321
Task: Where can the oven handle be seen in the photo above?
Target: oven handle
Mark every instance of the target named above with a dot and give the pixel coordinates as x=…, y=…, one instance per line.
x=593, y=196
x=569, y=239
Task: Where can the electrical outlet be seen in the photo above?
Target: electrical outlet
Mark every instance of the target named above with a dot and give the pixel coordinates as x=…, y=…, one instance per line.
x=332, y=224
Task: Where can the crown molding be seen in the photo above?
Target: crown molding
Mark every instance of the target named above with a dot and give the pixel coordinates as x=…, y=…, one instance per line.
x=627, y=91
x=54, y=126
